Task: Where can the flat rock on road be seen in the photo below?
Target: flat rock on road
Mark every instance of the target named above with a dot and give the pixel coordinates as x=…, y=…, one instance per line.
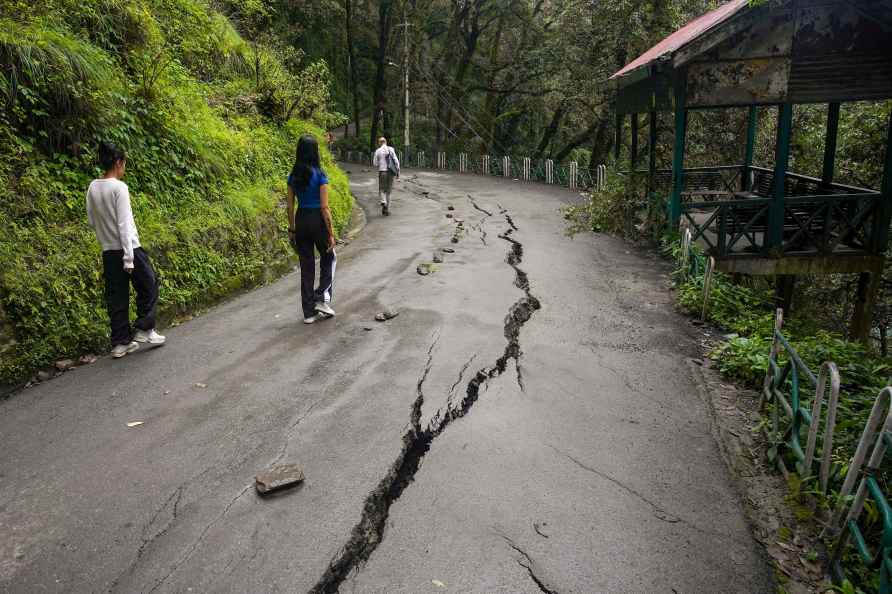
x=527, y=423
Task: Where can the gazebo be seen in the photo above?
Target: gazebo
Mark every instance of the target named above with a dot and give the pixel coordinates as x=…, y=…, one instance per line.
x=778, y=54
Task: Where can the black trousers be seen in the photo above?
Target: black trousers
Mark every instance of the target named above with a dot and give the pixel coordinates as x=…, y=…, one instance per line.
x=117, y=293
x=311, y=232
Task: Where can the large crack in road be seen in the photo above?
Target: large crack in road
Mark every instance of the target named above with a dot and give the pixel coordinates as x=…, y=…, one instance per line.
x=368, y=533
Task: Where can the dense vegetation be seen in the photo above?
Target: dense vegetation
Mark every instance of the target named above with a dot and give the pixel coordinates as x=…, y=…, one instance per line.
x=209, y=111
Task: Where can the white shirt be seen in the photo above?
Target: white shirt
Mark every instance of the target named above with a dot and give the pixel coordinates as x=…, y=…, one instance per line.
x=380, y=159
x=108, y=210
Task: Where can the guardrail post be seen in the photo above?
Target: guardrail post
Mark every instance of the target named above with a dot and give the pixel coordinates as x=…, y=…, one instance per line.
x=506, y=166
x=707, y=287
x=881, y=412
x=485, y=164
x=526, y=169
x=549, y=171
x=462, y=162
x=571, y=181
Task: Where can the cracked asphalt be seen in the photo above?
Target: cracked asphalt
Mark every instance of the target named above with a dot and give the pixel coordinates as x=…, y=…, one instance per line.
x=527, y=423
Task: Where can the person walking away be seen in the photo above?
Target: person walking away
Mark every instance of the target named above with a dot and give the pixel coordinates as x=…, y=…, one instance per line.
x=124, y=262
x=388, y=166
x=310, y=227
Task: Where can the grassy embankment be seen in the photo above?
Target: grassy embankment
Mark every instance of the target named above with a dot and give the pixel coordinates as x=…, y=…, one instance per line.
x=209, y=122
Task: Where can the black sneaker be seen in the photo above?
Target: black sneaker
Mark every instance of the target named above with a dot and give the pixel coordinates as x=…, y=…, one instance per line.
x=386, y=211
x=383, y=210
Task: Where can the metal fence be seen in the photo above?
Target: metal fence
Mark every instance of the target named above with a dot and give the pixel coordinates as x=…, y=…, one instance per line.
x=546, y=171
x=792, y=419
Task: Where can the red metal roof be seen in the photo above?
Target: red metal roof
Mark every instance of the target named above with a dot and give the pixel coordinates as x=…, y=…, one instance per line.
x=684, y=35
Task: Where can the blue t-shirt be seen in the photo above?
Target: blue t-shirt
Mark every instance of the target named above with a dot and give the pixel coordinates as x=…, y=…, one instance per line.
x=309, y=197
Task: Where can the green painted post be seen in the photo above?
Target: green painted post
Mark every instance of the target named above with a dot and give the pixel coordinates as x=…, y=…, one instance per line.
x=781, y=163
x=830, y=144
x=751, y=123
x=883, y=216
x=633, y=151
x=617, y=143
x=681, y=125
x=652, y=154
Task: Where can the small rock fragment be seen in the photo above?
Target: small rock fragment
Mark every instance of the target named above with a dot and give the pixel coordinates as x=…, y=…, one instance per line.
x=448, y=215
x=454, y=239
x=423, y=269
x=134, y=423
x=64, y=364
x=367, y=328
x=460, y=222
x=438, y=259
x=450, y=207
x=448, y=250
x=44, y=375
x=278, y=477
x=387, y=314
x=200, y=385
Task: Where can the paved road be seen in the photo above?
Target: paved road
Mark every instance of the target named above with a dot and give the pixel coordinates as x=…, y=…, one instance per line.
x=526, y=424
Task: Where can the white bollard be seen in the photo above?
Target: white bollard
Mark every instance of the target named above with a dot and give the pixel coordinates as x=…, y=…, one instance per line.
x=485, y=164
x=506, y=166
x=571, y=182
x=462, y=162
x=526, y=169
x=549, y=171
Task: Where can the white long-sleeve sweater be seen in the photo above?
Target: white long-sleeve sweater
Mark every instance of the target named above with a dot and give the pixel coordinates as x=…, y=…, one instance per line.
x=109, y=212
x=380, y=159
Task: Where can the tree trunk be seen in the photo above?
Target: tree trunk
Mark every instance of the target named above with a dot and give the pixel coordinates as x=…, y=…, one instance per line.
x=602, y=144
x=380, y=74
x=550, y=131
x=351, y=58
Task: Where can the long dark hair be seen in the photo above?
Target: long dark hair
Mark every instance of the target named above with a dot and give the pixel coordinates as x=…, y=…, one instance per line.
x=306, y=159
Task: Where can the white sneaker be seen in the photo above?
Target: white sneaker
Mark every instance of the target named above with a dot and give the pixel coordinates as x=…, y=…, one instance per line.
x=119, y=350
x=325, y=308
x=150, y=337
x=314, y=319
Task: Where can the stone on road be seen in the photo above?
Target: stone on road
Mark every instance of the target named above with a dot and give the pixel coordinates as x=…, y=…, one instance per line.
x=527, y=424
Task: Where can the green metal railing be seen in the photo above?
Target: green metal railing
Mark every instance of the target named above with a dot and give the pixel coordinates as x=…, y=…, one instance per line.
x=782, y=389
x=569, y=175
x=868, y=486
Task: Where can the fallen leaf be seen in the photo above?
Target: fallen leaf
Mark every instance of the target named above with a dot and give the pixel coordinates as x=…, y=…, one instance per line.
x=438, y=583
x=134, y=423
x=201, y=385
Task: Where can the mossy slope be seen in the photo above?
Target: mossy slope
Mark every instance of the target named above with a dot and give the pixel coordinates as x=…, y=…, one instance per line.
x=200, y=112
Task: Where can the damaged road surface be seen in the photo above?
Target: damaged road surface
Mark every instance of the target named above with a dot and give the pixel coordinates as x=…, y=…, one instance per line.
x=526, y=424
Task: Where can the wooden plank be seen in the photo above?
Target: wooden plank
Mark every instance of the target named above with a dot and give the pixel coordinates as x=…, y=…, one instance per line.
x=801, y=264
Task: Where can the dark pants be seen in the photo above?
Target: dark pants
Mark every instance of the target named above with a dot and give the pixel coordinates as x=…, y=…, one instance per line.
x=117, y=293
x=311, y=232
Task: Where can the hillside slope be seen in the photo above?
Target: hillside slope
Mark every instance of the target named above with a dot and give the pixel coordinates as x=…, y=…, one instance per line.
x=209, y=121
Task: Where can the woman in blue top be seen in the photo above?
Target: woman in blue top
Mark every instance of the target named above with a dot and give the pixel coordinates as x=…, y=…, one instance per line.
x=309, y=228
